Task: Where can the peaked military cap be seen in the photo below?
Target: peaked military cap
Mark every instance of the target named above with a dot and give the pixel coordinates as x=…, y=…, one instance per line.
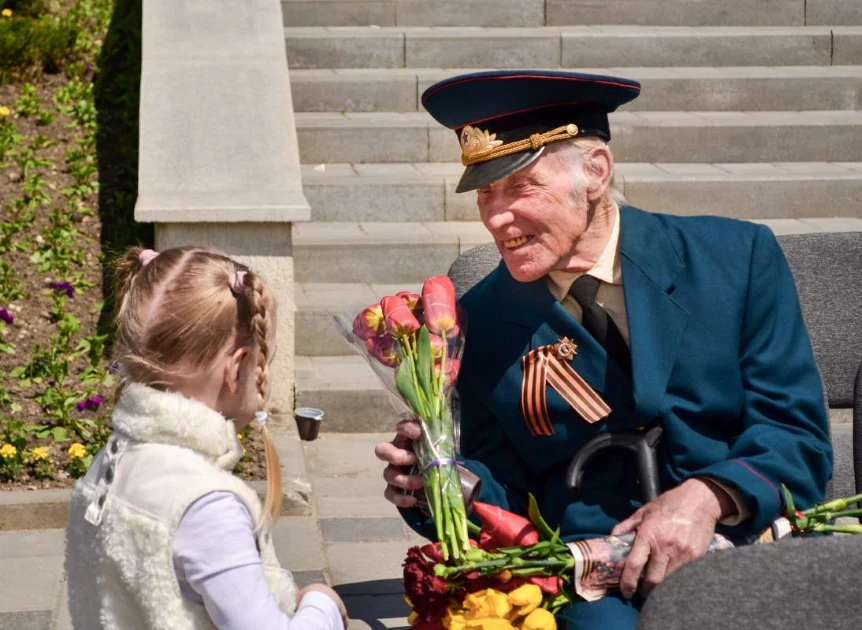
x=505, y=118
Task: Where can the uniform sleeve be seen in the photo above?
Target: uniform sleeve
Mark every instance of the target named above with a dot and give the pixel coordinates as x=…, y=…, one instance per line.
x=217, y=563
x=785, y=436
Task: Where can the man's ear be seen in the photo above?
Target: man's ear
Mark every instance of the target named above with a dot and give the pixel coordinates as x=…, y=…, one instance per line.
x=232, y=369
x=600, y=165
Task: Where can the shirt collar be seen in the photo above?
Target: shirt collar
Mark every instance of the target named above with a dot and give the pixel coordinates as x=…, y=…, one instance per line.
x=607, y=268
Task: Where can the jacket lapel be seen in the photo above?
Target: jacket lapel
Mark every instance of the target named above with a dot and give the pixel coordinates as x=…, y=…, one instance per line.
x=656, y=321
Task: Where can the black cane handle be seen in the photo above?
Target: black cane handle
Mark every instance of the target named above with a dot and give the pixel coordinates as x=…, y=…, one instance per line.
x=641, y=443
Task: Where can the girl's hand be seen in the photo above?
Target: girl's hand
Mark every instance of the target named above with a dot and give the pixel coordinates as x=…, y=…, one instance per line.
x=323, y=588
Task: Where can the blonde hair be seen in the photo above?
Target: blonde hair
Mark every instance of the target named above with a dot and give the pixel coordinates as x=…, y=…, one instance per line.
x=574, y=153
x=175, y=313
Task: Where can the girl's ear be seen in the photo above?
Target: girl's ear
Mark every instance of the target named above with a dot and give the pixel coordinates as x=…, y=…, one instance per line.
x=232, y=369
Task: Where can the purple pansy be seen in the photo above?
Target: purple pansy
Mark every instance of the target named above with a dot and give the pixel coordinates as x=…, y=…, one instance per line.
x=6, y=316
x=64, y=287
x=92, y=402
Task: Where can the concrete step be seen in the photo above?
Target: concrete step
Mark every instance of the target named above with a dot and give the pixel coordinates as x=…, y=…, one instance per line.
x=353, y=398
x=759, y=88
x=426, y=192
x=817, y=136
x=567, y=12
x=414, y=12
x=554, y=47
x=408, y=253
x=369, y=252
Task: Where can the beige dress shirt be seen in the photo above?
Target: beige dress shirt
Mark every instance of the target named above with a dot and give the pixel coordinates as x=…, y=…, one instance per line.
x=610, y=296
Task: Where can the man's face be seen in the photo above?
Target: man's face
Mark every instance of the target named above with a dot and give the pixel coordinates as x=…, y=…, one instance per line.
x=535, y=217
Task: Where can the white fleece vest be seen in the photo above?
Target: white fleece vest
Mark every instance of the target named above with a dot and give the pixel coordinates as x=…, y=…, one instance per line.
x=166, y=452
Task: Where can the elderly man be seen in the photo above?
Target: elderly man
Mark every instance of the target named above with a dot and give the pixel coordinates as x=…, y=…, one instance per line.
x=689, y=323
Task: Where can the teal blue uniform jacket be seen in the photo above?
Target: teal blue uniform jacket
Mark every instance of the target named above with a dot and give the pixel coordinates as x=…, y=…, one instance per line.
x=720, y=359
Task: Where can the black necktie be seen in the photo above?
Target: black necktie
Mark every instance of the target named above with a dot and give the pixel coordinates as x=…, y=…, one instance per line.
x=598, y=322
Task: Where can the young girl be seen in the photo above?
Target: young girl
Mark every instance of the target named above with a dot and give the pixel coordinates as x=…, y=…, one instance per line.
x=161, y=534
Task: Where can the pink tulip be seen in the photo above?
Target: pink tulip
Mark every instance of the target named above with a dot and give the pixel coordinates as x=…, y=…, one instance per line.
x=399, y=319
x=438, y=301
x=453, y=366
x=436, y=347
x=412, y=300
x=386, y=351
x=369, y=323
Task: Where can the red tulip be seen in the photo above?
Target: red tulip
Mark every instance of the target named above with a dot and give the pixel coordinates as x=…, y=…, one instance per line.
x=453, y=366
x=501, y=528
x=438, y=301
x=369, y=323
x=386, y=351
x=412, y=300
x=550, y=584
x=436, y=347
x=399, y=319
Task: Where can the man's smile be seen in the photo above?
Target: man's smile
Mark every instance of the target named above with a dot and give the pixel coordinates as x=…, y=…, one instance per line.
x=514, y=243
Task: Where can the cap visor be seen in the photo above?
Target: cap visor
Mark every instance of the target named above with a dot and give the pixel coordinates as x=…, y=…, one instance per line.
x=478, y=175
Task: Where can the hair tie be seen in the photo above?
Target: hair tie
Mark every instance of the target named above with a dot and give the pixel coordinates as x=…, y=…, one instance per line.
x=261, y=417
x=146, y=256
x=236, y=282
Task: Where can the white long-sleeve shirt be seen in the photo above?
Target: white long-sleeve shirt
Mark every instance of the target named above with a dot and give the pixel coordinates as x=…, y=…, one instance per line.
x=217, y=564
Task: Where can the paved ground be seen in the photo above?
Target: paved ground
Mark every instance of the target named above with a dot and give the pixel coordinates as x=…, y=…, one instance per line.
x=355, y=541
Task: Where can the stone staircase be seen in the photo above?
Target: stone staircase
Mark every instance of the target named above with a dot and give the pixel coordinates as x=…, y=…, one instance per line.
x=750, y=109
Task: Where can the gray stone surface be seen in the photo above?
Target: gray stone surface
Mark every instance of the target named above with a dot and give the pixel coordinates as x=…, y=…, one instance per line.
x=833, y=12
x=338, y=12
x=33, y=620
x=470, y=13
x=298, y=543
x=367, y=568
x=216, y=124
x=678, y=12
x=373, y=612
x=847, y=45
x=31, y=544
x=702, y=137
x=344, y=48
x=781, y=88
x=633, y=46
x=483, y=48
x=360, y=529
x=353, y=90
x=44, y=509
x=34, y=584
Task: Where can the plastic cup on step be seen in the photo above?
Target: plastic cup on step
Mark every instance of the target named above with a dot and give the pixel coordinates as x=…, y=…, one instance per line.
x=308, y=421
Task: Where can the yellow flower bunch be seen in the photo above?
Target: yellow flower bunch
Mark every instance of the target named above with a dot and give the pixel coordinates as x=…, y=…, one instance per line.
x=492, y=610
x=77, y=451
x=5, y=112
x=7, y=13
x=7, y=451
x=40, y=453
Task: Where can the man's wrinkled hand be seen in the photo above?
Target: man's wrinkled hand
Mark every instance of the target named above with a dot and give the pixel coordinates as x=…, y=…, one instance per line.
x=400, y=456
x=672, y=530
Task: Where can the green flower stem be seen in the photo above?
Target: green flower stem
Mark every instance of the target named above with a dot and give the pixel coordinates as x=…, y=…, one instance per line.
x=838, y=529
x=835, y=505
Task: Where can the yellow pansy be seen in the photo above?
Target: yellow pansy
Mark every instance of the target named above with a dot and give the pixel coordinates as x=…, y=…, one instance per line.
x=239, y=436
x=6, y=12
x=39, y=453
x=5, y=112
x=77, y=451
x=454, y=619
x=539, y=619
x=8, y=451
x=526, y=598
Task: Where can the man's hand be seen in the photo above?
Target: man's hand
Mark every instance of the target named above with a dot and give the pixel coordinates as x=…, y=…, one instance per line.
x=675, y=528
x=398, y=453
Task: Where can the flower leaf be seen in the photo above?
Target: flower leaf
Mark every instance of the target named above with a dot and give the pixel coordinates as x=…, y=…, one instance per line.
x=424, y=361
x=537, y=519
x=790, y=508
x=405, y=384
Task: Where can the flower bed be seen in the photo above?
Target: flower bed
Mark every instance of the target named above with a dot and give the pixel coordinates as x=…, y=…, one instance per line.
x=68, y=179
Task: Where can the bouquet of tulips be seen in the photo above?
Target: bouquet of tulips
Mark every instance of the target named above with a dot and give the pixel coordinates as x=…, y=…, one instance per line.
x=414, y=343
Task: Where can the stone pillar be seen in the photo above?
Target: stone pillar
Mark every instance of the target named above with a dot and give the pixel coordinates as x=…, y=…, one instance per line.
x=219, y=162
